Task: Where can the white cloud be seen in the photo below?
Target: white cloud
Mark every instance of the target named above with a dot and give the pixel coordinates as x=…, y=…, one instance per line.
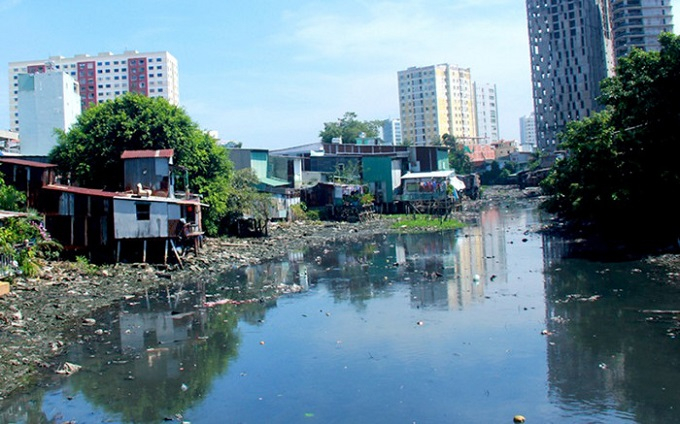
x=366, y=43
x=6, y=5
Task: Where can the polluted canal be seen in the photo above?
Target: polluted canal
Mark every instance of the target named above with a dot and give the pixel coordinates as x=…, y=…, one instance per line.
x=482, y=325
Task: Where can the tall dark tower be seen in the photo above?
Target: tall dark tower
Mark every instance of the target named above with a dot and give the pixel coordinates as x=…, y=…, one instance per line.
x=571, y=53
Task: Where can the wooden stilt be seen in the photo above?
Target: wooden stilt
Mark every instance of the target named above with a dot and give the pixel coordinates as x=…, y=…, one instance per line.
x=118, y=252
x=174, y=249
x=165, y=253
x=144, y=252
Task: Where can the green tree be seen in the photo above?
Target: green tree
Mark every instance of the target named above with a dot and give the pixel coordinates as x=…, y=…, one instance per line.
x=348, y=129
x=11, y=199
x=245, y=200
x=90, y=151
x=458, y=157
x=347, y=173
x=448, y=140
x=624, y=159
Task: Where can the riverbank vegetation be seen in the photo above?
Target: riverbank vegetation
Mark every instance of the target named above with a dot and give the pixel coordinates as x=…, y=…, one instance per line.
x=23, y=239
x=423, y=223
x=620, y=176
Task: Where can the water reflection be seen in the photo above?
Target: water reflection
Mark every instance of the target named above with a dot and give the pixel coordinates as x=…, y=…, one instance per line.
x=608, y=349
x=488, y=290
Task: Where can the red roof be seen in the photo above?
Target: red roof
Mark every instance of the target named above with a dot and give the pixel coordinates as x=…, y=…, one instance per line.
x=25, y=162
x=137, y=154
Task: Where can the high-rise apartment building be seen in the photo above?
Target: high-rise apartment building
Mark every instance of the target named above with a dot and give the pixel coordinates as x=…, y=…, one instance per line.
x=527, y=133
x=47, y=101
x=103, y=77
x=437, y=100
x=573, y=46
x=571, y=50
x=638, y=23
x=391, y=132
x=487, y=113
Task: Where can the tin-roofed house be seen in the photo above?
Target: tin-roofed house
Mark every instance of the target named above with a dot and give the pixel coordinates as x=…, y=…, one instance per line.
x=146, y=222
x=27, y=176
x=148, y=170
x=434, y=193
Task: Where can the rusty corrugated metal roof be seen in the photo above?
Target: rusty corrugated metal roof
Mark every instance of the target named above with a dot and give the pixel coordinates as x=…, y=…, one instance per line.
x=81, y=190
x=25, y=162
x=137, y=154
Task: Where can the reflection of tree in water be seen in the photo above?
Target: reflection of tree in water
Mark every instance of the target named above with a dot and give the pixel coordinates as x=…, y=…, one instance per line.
x=24, y=409
x=602, y=353
x=167, y=378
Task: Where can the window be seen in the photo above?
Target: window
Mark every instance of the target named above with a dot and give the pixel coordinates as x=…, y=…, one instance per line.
x=143, y=211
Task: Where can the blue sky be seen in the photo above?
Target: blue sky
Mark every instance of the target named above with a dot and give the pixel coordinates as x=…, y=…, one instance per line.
x=269, y=73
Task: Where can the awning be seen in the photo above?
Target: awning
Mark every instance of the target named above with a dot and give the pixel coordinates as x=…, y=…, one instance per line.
x=457, y=183
x=274, y=182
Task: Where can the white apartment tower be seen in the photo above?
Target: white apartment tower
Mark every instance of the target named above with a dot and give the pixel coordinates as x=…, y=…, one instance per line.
x=527, y=133
x=103, y=77
x=487, y=113
x=47, y=101
x=571, y=51
x=437, y=100
x=638, y=23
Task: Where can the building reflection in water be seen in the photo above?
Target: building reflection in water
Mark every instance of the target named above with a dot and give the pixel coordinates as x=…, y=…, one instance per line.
x=455, y=267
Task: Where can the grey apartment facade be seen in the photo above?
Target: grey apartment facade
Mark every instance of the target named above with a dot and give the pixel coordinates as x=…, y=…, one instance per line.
x=571, y=49
x=574, y=45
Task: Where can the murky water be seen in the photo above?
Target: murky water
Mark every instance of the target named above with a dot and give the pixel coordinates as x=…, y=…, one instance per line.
x=476, y=326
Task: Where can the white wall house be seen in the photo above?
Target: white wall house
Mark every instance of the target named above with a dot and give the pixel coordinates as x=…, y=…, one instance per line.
x=46, y=101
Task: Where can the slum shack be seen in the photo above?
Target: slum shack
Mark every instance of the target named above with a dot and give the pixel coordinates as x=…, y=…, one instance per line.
x=434, y=193
x=146, y=222
x=27, y=176
x=343, y=202
x=148, y=170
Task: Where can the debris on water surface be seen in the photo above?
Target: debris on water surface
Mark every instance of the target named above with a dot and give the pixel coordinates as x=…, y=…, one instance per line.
x=68, y=368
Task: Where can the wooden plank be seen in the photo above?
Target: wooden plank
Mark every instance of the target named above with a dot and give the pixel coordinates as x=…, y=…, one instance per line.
x=174, y=249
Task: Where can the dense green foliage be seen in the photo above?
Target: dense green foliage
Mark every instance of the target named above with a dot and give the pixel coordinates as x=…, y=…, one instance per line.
x=90, y=151
x=459, y=159
x=23, y=240
x=348, y=128
x=621, y=169
x=11, y=199
x=496, y=175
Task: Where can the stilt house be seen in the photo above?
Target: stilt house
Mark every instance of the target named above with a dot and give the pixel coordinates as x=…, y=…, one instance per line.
x=146, y=222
